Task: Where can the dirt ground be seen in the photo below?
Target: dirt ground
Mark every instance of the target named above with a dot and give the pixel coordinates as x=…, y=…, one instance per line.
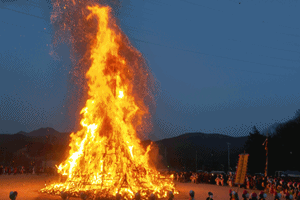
x=27, y=187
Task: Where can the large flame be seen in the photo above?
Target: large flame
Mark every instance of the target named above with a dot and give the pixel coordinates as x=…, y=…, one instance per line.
x=106, y=156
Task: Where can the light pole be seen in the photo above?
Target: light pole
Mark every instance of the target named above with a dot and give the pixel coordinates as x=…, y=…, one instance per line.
x=228, y=157
x=196, y=162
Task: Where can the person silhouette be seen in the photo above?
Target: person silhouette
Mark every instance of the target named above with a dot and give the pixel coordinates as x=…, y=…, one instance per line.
x=137, y=196
x=210, y=196
x=245, y=195
x=152, y=197
x=170, y=195
x=192, y=195
x=253, y=196
x=64, y=195
x=13, y=195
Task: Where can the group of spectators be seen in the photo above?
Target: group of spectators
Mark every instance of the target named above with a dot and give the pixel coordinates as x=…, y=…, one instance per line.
x=9, y=170
x=201, y=177
x=286, y=186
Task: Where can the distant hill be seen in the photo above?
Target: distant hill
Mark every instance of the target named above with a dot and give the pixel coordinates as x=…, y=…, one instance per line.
x=41, y=132
x=211, y=149
x=178, y=152
x=55, y=136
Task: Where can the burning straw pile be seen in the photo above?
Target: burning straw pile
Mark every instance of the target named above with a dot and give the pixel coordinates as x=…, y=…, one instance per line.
x=106, y=157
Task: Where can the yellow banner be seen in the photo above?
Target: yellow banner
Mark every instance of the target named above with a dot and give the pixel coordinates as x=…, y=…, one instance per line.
x=241, y=169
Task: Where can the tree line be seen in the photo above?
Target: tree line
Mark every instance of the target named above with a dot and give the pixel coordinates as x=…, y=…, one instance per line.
x=283, y=149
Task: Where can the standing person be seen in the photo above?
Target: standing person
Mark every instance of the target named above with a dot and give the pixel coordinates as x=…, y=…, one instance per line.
x=192, y=195
x=262, y=195
x=279, y=188
x=296, y=191
x=234, y=196
x=230, y=181
x=263, y=183
x=298, y=196
x=245, y=195
x=277, y=196
x=253, y=196
x=27, y=170
x=199, y=178
x=291, y=190
x=272, y=189
x=288, y=196
x=212, y=179
x=210, y=196
x=294, y=185
x=250, y=183
x=225, y=179
x=267, y=188
x=170, y=195
x=276, y=182
x=257, y=185
x=192, y=178
x=247, y=183
x=13, y=195
x=230, y=194
x=184, y=177
x=207, y=178
x=217, y=180
x=222, y=180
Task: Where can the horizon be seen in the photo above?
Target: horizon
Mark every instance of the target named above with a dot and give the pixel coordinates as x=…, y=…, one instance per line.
x=20, y=132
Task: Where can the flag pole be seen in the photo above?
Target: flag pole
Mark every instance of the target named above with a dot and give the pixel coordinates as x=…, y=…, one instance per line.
x=266, y=148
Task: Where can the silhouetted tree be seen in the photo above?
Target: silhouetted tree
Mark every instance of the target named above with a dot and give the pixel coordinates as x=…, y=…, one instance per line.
x=285, y=145
x=256, y=151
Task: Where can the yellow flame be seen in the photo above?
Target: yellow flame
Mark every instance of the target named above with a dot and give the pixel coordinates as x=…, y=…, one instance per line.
x=106, y=156
x=121, y=95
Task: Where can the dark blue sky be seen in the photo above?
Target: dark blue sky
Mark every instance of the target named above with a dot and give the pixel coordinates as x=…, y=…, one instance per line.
x=223, y=66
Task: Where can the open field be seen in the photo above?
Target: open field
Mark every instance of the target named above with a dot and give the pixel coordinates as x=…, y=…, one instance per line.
x=27, y=187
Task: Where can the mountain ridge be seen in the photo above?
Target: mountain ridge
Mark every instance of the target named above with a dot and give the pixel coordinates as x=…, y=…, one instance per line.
x=179, y=151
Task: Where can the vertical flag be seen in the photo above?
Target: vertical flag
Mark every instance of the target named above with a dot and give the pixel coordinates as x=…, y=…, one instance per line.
x=241, y=169
x=266, y=148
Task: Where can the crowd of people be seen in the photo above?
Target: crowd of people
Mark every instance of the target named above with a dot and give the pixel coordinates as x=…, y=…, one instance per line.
x=9, y=170
x=203, y=177
x=287, y=187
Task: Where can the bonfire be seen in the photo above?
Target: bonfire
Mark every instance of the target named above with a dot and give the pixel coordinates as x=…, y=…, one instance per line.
x=106, y=158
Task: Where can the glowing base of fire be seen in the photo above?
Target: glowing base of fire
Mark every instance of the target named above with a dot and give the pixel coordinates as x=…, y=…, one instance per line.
x=98, y=191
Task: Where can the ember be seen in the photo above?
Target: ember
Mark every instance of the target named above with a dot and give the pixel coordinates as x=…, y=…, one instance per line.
x=106, y=159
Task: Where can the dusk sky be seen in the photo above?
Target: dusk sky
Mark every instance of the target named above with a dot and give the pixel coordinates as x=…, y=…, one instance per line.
x=223, y=66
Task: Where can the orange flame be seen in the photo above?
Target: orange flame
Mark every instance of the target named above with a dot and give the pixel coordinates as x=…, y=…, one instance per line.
x=106, y=156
